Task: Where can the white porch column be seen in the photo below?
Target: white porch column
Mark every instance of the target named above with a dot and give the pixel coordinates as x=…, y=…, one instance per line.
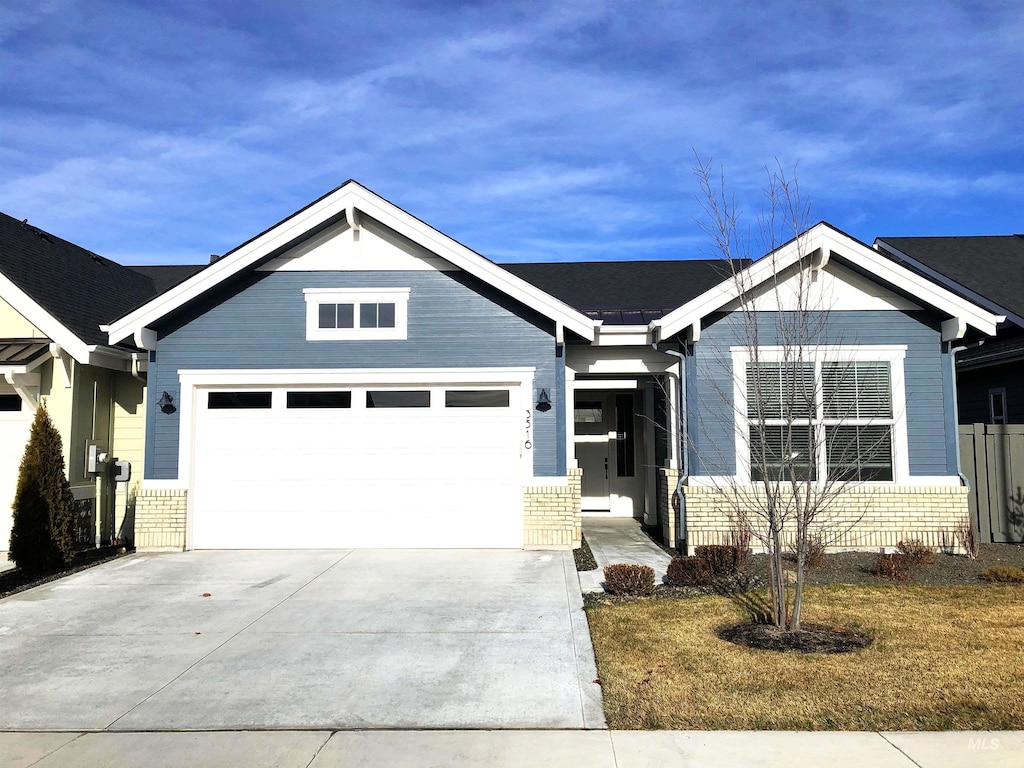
x=673, y=414
x=570, y=418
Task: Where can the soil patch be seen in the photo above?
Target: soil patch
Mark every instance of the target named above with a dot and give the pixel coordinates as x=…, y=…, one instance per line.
x=811, y=638
x=584, y=557
x=14, y=581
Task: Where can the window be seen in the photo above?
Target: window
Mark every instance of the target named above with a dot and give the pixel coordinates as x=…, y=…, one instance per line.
x=811, y=420
x=303, y=399
x=356, y=313
x=396, y=398
x=476, y=398
x=217, y=401
x=589, y=412
x=625, y=441
x=997, y=406
x=9, y=403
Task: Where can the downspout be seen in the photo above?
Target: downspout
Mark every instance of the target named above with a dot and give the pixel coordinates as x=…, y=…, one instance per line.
x=956, y=414
x=136, y=368
x=683, y=460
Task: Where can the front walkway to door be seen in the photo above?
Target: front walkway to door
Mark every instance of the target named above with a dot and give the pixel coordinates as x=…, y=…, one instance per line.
x=620, y=540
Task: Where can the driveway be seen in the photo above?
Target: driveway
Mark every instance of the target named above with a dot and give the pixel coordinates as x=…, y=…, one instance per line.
x=312, y=639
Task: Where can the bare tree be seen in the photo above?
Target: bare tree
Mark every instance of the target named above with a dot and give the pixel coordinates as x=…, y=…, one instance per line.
x=811, y=423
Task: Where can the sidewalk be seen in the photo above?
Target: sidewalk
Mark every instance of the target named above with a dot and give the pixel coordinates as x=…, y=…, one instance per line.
x=619, y=540
x=512, y=749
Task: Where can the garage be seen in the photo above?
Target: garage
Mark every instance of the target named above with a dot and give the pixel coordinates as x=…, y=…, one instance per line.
x=15, y=422
x=325, y=465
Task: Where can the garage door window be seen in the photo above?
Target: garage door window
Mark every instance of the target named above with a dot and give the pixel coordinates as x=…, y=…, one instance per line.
x=237, y=400
x=10, y=403
x=388, y=398
x=476, y=398
x=319, y=399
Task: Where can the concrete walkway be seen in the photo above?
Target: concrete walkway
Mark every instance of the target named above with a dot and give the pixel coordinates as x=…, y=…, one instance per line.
x=512, y=749
x=619, y=540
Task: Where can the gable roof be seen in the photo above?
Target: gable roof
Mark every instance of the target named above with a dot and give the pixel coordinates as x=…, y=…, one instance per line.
x=988, y=267
x=344, y=203
x=817, y=245
x=64, y=290
x=624, y=292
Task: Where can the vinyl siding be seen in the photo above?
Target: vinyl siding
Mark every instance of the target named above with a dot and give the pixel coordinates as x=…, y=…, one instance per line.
x=455, y=321
x=929, y=406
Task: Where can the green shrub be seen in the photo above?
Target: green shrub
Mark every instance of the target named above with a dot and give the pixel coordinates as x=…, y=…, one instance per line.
x=917, y=552
x=895, y=567
x=688, y=572
x=42, y=530
x=1004, y=574
x=628, y=579
x=724, y=559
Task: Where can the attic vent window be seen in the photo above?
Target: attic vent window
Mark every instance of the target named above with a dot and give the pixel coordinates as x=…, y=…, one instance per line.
x=340, y=314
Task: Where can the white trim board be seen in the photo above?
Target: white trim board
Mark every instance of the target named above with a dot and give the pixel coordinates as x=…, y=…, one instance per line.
x=348, y=200
x=829, y=242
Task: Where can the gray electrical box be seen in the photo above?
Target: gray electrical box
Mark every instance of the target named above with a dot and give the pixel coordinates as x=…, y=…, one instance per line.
x=122, y=471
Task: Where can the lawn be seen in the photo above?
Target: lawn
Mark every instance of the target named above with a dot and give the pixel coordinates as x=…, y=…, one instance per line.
x=943, y=658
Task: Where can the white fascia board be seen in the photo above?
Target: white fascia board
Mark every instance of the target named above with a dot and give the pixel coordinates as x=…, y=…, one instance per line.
x=822, y=236
x=353, y=376
x=350, y=196
x=54, y=329
x=947, y=282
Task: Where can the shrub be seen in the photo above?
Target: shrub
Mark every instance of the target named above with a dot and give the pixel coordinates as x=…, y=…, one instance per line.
x=628, y=579
x=895, y=567
x=688, y=572
x=739, y=537
x=1004, y=574
x=44, y=509
x=965, y=535
x=917, y=552
x=815, y=557
x=723, y=558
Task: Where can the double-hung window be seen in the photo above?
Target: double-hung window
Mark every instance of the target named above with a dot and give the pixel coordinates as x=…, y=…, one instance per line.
x=834, y=416
x=356, y=313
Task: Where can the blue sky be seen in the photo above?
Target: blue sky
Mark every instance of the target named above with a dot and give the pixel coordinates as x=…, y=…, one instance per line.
x=163, y=132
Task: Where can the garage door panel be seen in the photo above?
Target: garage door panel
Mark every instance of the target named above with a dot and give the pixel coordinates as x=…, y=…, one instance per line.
x=287, y=478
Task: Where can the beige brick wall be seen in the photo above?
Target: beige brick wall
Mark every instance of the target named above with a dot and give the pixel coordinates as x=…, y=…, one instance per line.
x=668, y=507
x=861, y=518
x=160, y=519
x=552, y=516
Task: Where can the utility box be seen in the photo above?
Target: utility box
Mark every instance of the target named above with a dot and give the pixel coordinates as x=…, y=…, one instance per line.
x=122, y=471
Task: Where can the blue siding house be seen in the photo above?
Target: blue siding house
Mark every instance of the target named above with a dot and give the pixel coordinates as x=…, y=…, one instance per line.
x=354, y=378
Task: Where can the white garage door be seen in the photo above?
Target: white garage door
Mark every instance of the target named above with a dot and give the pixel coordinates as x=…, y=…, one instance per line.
x=15, y=422
x=321, y=467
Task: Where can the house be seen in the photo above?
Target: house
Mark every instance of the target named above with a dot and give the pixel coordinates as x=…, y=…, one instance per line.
x=351, y=377
x=53, y=297
x=988, y=270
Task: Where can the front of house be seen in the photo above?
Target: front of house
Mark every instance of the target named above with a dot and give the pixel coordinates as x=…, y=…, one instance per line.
x=354, y=378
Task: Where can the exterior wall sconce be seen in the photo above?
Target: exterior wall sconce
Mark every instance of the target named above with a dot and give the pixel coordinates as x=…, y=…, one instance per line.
x=543, y=401
x=166, y=403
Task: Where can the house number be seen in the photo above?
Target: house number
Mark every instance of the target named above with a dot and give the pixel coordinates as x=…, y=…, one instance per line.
x=529, y=423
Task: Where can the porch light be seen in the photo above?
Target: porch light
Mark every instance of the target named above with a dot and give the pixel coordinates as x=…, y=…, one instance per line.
x=166, y=402
x=543, y=401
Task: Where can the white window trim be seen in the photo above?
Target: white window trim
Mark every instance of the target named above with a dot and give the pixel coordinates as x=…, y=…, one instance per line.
x=1001, y=392
x=818, y=354
x=316, y=296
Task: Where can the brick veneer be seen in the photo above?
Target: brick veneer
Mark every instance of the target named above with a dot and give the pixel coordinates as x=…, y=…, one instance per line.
x=160, y=519
x=552, y=516
x=668, y=508
x=861, y=518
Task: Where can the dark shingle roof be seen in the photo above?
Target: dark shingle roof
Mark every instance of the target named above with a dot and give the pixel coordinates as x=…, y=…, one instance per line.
x=79, y=288
x=625, y=292
x=992, y=265
x=166, y=276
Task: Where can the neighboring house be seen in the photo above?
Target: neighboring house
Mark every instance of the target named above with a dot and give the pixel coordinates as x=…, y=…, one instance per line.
x=53, y=297
x=988, y=270
x=352, y=377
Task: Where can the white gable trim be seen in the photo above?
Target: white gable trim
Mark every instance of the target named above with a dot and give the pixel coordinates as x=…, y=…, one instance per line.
x=350, y=197
x=829, y=242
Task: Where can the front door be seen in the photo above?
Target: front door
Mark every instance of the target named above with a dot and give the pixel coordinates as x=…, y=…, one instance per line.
x=607, y=448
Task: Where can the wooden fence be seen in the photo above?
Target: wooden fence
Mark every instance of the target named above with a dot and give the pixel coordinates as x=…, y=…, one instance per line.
x=992, y=458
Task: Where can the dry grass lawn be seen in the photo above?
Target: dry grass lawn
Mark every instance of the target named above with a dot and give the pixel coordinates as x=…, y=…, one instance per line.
x=943, y=658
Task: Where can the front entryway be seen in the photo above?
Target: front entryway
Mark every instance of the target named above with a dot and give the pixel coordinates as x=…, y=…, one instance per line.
x=610, y=449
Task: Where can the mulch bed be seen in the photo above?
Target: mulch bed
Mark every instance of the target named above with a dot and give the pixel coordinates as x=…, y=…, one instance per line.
x=584, y=557
x=14, y=581
x=811, y=638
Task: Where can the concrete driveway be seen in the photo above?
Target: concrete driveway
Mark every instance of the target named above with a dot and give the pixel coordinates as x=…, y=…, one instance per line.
x=314, y=639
